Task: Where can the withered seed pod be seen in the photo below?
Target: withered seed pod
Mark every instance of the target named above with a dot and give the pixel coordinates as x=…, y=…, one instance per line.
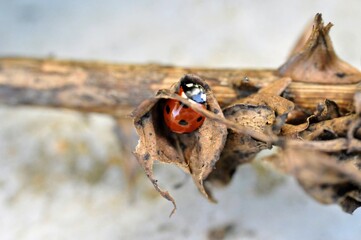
x=196, y=152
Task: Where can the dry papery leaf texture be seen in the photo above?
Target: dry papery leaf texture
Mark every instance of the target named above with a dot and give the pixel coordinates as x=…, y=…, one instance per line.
x=263, y=112
x=198, y=152
x=317, y=62
x=323, y=150
x=319, y=145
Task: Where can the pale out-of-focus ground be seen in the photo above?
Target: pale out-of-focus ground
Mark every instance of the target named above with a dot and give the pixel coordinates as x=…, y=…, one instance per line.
x=62, y=173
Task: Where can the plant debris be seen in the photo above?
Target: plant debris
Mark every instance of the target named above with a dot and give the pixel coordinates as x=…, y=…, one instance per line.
x=196, y=152
x=319, y=145
x=323, y=176
x=317, y=61
x=263, y=112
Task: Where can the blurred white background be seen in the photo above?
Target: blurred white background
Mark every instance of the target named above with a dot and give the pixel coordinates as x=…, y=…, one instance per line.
x=62, y=173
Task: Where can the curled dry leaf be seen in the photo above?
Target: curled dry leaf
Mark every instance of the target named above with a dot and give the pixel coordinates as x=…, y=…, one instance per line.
x=196, y=152
x=269, y=96
x=323, y=176
x=317, y=61
x=324, y=111
x=262, y=112
x=290, y=130
x=241, y=148
x=354, y=130
x=327, y=162
x=329, y=129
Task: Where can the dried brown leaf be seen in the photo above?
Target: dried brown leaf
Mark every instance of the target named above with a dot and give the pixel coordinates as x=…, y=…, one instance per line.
x=317, y=61
x=322, y=176
x=269, y=96
x=353, y=136
x=241, y=148
x=196, y=153
x=262, y=112
x=328, y=129
x=325, y=111
x=276, y=87
x=300, y=43
x=293, y=130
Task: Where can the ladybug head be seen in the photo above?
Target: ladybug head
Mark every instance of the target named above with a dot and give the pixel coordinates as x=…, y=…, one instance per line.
x=193, y=91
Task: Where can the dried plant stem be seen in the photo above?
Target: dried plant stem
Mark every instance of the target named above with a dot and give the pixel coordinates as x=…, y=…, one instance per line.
x=116, y=89
x=335, y=145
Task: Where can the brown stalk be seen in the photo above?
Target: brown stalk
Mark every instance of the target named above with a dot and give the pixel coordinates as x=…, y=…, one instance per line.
x=116, y=89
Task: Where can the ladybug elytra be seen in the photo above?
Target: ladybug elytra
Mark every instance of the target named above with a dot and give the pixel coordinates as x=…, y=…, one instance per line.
x=180, y=118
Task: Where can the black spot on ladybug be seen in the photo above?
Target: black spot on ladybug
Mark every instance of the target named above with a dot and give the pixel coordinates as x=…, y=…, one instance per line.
x=183, y=122
x=199, y=119
x=184, y=106
x=146, y=157
x=167, y=109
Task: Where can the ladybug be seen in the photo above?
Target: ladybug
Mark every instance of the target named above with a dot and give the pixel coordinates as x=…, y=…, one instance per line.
x=180, y=118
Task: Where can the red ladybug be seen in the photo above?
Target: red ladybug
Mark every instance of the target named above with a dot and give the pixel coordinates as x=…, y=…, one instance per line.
x=180, y=118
